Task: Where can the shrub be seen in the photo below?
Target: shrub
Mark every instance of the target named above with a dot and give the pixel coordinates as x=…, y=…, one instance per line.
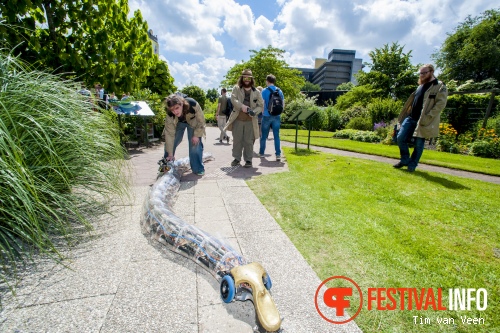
x=60, y=163
x=353, y=112
x=359, y=95
x=483, y=148
x=344, y=134
x=384, y=109
x=360, y=123
x=334, y=119
x=210, y=118
x=458, y=110
x=382, y=129
x=492, y=123
x=447, y=140
x=364, y=136
x=319, y=121
x=301, y=102
x=155, y=102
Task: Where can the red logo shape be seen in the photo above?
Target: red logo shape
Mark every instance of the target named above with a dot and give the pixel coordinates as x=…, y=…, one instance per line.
x=339, y=303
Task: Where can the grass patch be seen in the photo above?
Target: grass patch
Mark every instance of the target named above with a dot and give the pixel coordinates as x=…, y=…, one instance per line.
x=455, y=161
x=390, y=228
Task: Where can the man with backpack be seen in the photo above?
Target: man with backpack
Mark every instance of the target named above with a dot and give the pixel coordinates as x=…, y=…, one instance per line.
x=274, y=104
x=224, y=109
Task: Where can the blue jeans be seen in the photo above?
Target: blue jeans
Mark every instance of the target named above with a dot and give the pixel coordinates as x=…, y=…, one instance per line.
x=405, y=133
x=265, y=127
x=195, y=152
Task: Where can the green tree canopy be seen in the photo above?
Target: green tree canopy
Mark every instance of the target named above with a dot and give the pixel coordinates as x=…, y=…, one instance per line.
x=309, y=86
x=93, y=41
x=391, y=72
x=195, y=92
x=359, y=95
x=159, y=80
x=212, y=95
x=268, y=61
x=472, y=51
x=345, y=86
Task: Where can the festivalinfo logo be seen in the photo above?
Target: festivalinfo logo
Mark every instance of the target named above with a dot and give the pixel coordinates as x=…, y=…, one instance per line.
x=339, y=297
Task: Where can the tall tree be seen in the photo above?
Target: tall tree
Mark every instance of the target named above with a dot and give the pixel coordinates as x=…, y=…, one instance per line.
x=159, y=80
x=92, y=40
x=309, y=86
x=268, y=61
x=197, y=93
x=212, y=95
x=472, y=51
x=391, y=72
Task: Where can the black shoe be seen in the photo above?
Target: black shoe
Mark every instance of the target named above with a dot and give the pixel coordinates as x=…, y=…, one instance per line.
x=227, y=138
x=235, y=163
x=399, y=165
x=248, y=164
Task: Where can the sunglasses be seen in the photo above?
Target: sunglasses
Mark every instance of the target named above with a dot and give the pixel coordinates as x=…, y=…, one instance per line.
x=247, y=79
x=423, y=73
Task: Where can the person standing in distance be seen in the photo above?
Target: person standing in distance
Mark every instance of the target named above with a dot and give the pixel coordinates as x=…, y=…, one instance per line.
x=420, y=116
x=269, y=120
x=221, y=115
x=184, y=113
x=247, y=104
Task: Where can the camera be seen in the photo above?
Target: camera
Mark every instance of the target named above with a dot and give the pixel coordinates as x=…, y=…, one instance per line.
x=251, y=112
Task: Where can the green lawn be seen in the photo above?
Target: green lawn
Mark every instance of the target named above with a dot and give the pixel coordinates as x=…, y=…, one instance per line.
x=389, y=228
x=454, y=161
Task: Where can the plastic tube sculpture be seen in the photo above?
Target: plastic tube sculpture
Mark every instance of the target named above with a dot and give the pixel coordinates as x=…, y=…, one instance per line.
x=239, y=280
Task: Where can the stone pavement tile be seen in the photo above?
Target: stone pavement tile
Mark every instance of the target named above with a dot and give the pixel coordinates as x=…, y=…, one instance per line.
x=231, y=182
x=94, y=273
x=239, y=195
x=75, y=315
x=207, y=288
x=155, y=296
x=233, y=317
x=210, y=214
x=220, y=229
x=184, y=204
x=203, y=202
x=187, y=187
x=294, y=282
x=29, y=279
x=205, y=188
x=250, y=218
x=93, y=268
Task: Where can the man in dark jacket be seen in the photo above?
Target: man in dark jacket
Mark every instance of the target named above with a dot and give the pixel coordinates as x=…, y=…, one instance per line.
x=420, y=116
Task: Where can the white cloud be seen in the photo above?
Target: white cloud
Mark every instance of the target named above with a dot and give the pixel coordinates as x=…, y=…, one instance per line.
x=183, y=26
x=216, y=32
x=315, y=27
x=247, y=32
x=205, y=74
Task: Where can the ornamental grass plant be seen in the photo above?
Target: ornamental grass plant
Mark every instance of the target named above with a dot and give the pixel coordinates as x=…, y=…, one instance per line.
x=60, y=163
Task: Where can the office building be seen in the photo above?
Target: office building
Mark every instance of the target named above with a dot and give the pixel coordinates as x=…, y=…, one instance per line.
x=154, y=42
x=339, y=68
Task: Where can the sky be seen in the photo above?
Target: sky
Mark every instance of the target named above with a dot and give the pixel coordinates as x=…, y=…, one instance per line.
x=202, y=40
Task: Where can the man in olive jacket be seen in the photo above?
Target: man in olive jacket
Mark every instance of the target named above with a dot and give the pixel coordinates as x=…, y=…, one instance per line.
x=243, y=122
x=420, y=116
x=185, y=113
